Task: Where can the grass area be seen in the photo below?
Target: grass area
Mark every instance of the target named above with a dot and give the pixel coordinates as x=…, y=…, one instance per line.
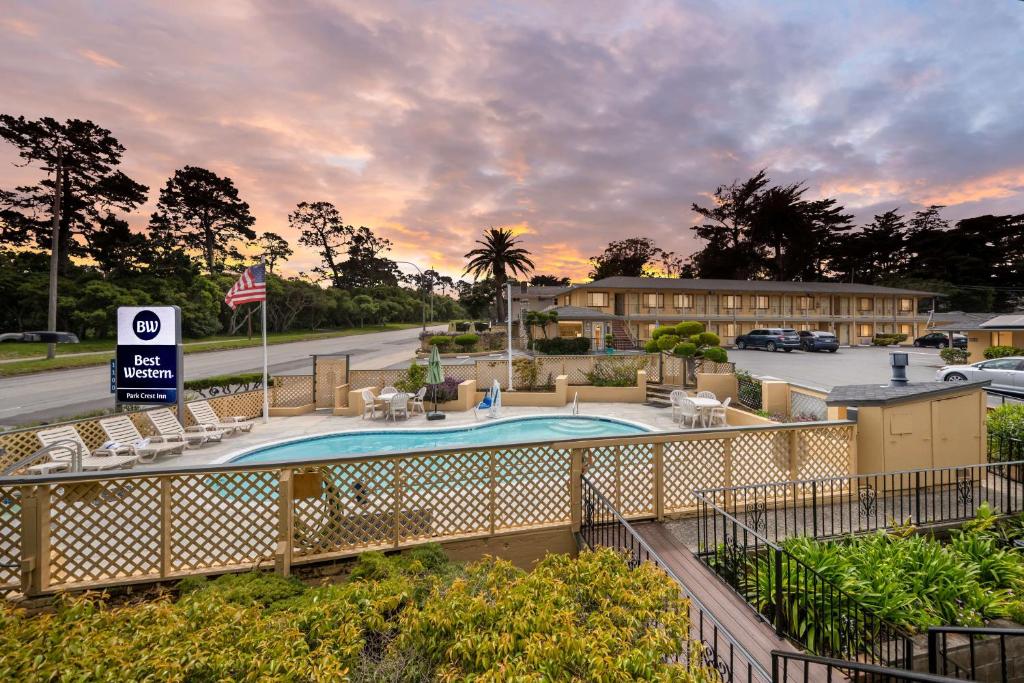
x=411, y=617
x=100, y=351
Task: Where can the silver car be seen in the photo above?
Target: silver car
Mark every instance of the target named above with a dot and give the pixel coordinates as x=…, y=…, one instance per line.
x=1005, y=373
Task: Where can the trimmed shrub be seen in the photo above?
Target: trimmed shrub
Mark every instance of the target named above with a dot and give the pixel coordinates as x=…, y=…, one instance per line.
x=466, y=341
x=1003, y=351
x=1007, y=421
x=224, y=381
x=954, y=356
x=685, y=349
x=414, y=378
x=716, y=354
x=651, y=346
x=440, y=340
x=662, y=330
x=886, y=339
x=561, y=346
x=667, y=342
x=688, y=328
x=708, y=339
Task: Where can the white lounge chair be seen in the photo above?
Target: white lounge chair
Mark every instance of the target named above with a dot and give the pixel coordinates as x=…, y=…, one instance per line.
x=122, y=430
x=369, y=403
x=169, y=429
x=688, y=412
x=205, y=415
x=416, y=402
x=717, y=416
x=398, y=405
x=70, y=440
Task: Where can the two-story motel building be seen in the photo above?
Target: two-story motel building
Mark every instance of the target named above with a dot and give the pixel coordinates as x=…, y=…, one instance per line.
x=634, y=306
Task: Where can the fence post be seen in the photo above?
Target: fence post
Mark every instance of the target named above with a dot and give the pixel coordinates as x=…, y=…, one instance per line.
x=396, y=476
x=780, y=612
x=659, y=481
x=917, y=497
x=727, y=471
x=35, y=539
x=165, y=527
x=576, y=488
x=794, y=454
x=285, y=497
x=933, y=651
x=814, y=508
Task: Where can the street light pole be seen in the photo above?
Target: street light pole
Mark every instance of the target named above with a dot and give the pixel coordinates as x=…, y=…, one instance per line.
x=420, y=271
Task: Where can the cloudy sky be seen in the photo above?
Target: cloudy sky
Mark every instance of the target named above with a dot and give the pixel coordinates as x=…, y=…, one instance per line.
x=574, y=122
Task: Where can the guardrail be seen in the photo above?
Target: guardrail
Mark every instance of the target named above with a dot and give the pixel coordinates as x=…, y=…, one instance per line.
x=795, y=667
x=87, y=530
x=984, y=657
x=710, y=641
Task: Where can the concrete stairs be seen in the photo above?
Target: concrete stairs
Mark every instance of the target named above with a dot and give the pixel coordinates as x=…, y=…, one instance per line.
x=658, y=394
x=621, y=341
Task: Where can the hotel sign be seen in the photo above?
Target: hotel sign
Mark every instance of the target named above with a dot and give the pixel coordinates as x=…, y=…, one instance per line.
x=149, y=367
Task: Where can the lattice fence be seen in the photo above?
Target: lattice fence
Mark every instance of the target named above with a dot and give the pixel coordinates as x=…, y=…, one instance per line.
x=749, y=390
x=329, y=372
x=360, y=379
x=10, y=536
x=806, y=406
x=291, y=391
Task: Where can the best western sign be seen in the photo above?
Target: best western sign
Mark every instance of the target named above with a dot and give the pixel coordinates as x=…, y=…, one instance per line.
x=149, y=354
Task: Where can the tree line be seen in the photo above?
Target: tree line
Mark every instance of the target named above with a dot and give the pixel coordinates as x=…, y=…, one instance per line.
x=192, y=251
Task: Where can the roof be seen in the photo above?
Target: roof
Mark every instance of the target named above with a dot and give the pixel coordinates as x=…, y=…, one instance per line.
x=886, y=394
x=623, y=282
x=539, y=291
x=578, y=313
x=1005, y=321
x=954, y=321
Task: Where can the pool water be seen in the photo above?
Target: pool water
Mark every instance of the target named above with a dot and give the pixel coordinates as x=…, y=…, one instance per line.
x=508, y=431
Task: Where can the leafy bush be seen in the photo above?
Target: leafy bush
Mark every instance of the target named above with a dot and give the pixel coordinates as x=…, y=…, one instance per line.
x=1007, y=421
x=954, y=356
x=651, y=346
x=716, y=354
x=448, y=390
x=688, y=328
x=620, y=372
x=667, y=342
x=685, y=349
x=410, y=617
x=440, y=340
x=526, y=372
x=224, y=381
x=466, y=341
x=887, y=339
x=661, y=330
x=415, y=377
x=1003, y=351
x=561, y=346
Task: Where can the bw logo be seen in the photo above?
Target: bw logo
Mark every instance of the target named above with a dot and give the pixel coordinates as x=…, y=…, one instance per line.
x=146, y=325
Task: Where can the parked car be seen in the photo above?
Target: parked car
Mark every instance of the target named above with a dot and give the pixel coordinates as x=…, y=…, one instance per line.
x=771, y=339
x=1006, y=373
x=811, y=340
x=940, y=340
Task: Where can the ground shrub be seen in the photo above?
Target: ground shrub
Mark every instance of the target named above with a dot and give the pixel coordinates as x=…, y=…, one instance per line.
x=716, y=354
x=620, y=372
x=561, y=346
x=1002, y=351
x=1007, y=421
x=409, y=617
x=466, y=342
x=688, y=328
x=954, y=356
x=413, y=379
x=448, y=390
x=706, y=339
x=441, y=341
x=887, y=339
x=526, y=373
x=651, y=346
x=251, y=378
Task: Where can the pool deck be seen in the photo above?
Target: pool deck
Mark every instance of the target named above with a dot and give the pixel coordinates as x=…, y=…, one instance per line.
x=322, y=422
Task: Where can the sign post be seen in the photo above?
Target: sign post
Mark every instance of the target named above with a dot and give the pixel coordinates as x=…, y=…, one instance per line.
x=149, y=356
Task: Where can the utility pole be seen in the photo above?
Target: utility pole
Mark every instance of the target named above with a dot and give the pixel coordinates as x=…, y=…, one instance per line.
x=51, y=317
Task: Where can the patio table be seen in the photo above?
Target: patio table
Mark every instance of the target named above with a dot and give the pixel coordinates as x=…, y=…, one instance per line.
x=704, y=405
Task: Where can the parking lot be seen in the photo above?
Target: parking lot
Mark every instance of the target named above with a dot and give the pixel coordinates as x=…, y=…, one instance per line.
x=821, y=370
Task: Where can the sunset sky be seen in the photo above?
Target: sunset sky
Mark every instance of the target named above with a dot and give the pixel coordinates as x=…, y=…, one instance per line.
x=575, y=122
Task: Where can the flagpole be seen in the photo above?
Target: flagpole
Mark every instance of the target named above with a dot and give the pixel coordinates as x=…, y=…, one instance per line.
x=263, y=315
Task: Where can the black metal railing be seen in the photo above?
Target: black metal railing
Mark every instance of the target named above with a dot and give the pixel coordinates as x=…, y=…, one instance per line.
x=794, y=598
x=840, y=506
x=796, y=667
x=985, y=656
x=602, y=526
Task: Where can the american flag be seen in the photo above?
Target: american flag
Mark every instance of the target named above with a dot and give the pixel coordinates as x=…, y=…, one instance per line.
x=251, y=287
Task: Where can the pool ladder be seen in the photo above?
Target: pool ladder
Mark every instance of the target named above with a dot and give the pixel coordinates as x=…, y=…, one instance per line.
x=576, y=404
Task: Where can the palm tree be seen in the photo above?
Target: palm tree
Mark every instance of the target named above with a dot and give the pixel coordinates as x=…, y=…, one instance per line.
x=497, y=256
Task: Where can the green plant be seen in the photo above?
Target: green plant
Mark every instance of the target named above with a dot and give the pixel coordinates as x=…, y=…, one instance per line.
x=884, y=339
x=466, y=341
x=559, y=346
x=685, y=349
x=667, y=342
x=617, y=372
x=413, y=379
x=441, y=341
x=688, y=328
x=651, y=346
x=708, y=339
x=224, y=381
x=661, y=330
x=716, y=354
x=1007, y=421
x=954, y=356
x=1003, y=351
x=526, y=372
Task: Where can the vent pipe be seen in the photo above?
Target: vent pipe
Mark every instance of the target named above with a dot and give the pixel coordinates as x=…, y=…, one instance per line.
x=899, y=360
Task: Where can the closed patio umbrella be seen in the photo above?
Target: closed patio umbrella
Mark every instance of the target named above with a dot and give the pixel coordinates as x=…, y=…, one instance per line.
x=434, y=377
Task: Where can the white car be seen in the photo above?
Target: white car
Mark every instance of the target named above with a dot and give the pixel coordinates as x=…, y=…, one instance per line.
x=1005, y=373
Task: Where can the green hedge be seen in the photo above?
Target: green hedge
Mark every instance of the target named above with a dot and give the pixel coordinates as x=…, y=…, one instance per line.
x=466, y=341
x=561, y=346
x=1007, y=421
x=223, y=381
x=1003, y=351
x=410, y=617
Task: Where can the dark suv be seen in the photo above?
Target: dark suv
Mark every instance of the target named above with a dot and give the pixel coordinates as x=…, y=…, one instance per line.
x=771, y=339
x=941, y=340
x=818, y=341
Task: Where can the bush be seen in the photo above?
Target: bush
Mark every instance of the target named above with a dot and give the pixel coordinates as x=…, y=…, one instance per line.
x=1003, y=351
x=661, y=330
x=466, y=341
x=224, y=381
x=441, y=341
x=667, y=342
x=716, y=354
x=651, y=346
x=561, y=346
x=688, y=328
x=685, y=349
x=1007, y=421
x=525, y=372
x=954, y=356
x=708, y=339
x=413, y=616
x=618, y=372
x=415, y=377
x=448, y=390
x=886, y=339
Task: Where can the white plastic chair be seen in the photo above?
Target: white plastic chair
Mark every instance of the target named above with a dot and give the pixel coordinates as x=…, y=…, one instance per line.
x=707, y=394
x=369, y=404
x=674, y=398
x=417, y=400
x=688, y=412
x=389, y=390
x=399, y=404
x=718, y=413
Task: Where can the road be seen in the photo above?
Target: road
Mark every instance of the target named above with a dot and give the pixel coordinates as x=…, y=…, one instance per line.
x=61, y=393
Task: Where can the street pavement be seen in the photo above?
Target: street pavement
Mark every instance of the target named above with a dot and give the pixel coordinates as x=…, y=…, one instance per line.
x=60, y=393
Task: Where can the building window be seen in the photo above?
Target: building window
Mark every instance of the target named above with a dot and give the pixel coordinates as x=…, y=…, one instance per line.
x=864, y=330
x=647, y=329
x=597, y=299
x=652, y=300
x=906, y=305
x=804, y=326
x=864, y=304
x=682, y=300
x=727, y=329
x=805, y=303
x=730, y=301
x=760, y=302
x=907, y=329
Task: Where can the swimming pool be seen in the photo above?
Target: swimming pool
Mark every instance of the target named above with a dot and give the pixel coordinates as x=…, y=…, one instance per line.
x=504, y=431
